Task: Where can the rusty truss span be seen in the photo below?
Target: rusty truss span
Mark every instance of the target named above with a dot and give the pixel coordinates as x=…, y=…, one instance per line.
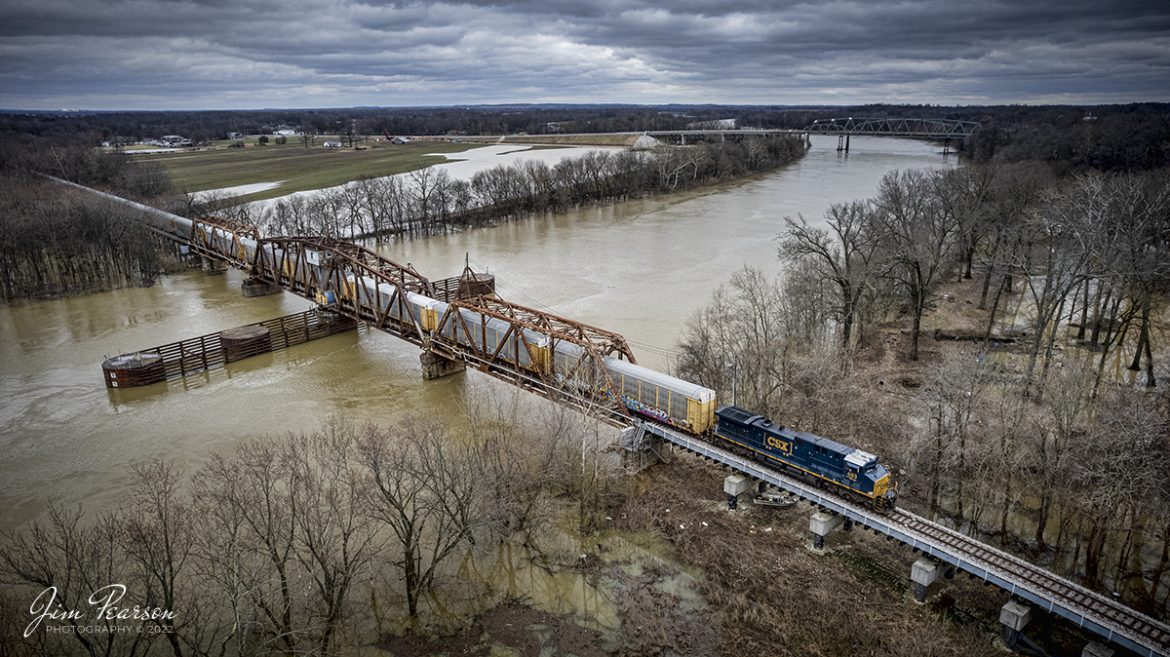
x=564, y=360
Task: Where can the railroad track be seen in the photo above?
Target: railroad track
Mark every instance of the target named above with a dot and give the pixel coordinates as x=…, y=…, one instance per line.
x=1106, y=611
x=1090, y=610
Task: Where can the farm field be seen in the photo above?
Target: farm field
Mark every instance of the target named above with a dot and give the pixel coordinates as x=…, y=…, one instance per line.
x=298, y=167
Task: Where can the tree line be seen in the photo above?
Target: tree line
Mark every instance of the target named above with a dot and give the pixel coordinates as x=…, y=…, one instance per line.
x=429, y=201
x=1105, y=137
x=304, y=544
x=55, y=241
x=1025, y=430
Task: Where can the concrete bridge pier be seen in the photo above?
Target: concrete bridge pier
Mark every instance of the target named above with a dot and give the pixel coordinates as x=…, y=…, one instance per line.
x=258, y=287
x=435, y=366
x=1095, y=649
x=212, y=266
x=734, y=486
x=821, y=525
x=1014, y=616
x=923, y=573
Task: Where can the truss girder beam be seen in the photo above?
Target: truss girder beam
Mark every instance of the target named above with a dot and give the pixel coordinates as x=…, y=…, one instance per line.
x=562, y=357
x=894, y=127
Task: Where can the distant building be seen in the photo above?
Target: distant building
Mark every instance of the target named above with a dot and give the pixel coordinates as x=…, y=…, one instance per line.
x=235, y=135
x=285, y=132
x=174, y=141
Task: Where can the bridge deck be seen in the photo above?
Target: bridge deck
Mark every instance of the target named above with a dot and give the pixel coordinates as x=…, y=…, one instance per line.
x=1088, y=609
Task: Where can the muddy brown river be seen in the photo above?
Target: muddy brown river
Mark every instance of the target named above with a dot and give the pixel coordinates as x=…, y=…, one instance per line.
x=640, y=268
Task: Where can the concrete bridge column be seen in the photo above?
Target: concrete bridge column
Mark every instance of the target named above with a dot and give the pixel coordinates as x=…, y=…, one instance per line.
x=258, y=287
x=923, y=573
x=435, y=366
x=821, y=525
x=1014, y=616
x=212, y=266
x=1095, y=649
x=734, y=486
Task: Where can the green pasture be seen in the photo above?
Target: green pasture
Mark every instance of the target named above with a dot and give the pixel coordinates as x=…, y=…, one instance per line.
x=300, y=168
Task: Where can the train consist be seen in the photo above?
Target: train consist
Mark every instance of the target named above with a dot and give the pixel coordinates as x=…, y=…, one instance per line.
x=818, y=460
x=645, y=392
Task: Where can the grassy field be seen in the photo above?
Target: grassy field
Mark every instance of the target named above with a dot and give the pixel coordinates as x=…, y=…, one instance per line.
x=298, y=167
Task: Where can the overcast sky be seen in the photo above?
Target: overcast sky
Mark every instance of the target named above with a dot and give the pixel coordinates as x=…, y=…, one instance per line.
x=179, y=54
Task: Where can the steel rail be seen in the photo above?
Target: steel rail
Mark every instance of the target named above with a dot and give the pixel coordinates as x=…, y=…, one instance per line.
x=1087, y=609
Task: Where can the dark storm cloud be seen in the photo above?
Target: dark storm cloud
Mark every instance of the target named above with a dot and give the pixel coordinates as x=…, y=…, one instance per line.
x=254, y=53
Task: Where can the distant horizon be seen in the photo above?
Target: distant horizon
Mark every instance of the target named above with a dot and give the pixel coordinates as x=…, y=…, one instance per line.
x=552, y=105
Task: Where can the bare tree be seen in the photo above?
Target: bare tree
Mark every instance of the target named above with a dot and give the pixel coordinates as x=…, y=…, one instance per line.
x=738, y=342
x=64, y=560
x=158, y=537
x=1060, y=236
x=965, y=192
x=953, y=394
x=334, y=541
x=520, y=465
x=425, y=492
x=250, y=514
x=1065, y=413
x=919, y=238
x=847, y=257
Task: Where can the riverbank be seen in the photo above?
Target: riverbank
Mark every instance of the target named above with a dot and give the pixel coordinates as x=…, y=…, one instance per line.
x=424, y=206
x=732, y=583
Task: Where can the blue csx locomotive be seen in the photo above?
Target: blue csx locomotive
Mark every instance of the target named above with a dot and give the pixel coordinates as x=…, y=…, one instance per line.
x=817, y=459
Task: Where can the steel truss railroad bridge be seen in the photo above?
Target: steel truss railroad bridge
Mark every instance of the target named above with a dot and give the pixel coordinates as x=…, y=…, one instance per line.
x=285, y=262
x=894, y=127
x=944, y=130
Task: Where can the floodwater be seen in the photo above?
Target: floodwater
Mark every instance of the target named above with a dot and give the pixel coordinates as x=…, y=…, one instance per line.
x=460, y=166
x=640, y=268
